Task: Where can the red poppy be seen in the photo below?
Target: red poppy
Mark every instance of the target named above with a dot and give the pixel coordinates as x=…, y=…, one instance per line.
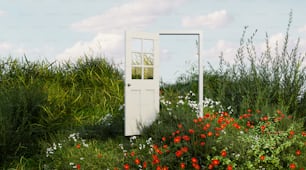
x=155, y=159
x=183, y=165
x=126, y=166
x=202, y=143
x=229, y=167
x=78, y=166
x=178, y=153
x=202, y=136
x=184, y=149
x=262, y=157
x=164, y=138
x=191, y=131
x=210, y=134
x=186, y=138
x=177, y=139
x=292, y=166
x=223, y=153
x=144, y=164
x=210, y=166
x=132, y=153
x=196, y=166
x=298, y=152
x=215, y=162
x=180, y=126
x=194, y=160
x=137, y=161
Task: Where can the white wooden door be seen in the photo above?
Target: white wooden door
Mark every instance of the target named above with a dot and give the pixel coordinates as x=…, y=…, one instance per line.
x=141, y=80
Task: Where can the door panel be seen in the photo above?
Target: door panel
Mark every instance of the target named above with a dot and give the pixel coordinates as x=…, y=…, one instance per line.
x=141, y=81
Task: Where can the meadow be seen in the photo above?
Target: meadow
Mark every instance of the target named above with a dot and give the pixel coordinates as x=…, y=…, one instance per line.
x=70, y=116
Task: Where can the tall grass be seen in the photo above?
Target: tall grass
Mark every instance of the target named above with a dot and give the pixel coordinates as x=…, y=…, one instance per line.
x=272, y=79
x=39, y=99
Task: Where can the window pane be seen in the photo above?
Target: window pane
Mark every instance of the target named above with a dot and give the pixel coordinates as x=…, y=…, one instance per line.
x=136, y=72
x=136, y=44
x=148, y=59
x=148, y=46
x=148, y=73
x=136, y=59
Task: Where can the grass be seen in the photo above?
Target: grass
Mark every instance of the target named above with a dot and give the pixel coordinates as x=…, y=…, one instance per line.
x=73, y=115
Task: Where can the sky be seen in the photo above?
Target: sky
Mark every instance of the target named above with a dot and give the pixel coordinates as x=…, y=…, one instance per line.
x=62, y=30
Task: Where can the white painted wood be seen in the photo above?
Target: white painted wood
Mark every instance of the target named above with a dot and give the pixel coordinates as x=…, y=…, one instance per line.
x=141, y=89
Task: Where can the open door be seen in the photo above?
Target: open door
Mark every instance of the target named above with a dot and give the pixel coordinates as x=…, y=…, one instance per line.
x=141, y=80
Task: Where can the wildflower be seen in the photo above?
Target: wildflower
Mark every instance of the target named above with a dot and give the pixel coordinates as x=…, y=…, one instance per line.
x=178, y=153
x=155, y=159
x=210, y=134
x=191, y=131
x=78, y=146
x=194, y=160
x=78, y=166
x=137, y=161
x=215, y=162
x=292, y=166
x=186, y=138
x=229, y=167
x=184, y=149
x=262, y=157
x=177, y=139
x=126, y=166
x=182, y=165
x=144, y=164
x=298, y=152
x=223, y=153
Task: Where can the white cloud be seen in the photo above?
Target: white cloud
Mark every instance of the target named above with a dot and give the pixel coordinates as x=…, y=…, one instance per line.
x=108, y=45
x=109, y=28
x=136, y=14
x=302, y=29
x=228, y=49
x=213, y=20
x=2, y=13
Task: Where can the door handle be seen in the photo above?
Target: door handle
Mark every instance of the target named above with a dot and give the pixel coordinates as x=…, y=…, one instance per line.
x=128, y=84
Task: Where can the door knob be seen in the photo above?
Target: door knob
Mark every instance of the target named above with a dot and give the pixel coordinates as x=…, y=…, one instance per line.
x=128, y=84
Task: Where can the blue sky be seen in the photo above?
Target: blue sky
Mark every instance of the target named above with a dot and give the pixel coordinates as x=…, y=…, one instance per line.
x=66, y=29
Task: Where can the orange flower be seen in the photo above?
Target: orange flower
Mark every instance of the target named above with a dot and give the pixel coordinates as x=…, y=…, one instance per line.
x=144, y=165
x=180, y=126
x=191, y=131
x=210, y=134
x=292, y=166
x=202, y=136
x=78, y=146
x=184, y=149
x=183, y=165
x=194, y=160
x=177, y=139
x=262, y=157
x=186, y=138
x=178, y=153
x=223, y=153
x=137, y=161
x=126, y=166
x=215, y=162
x=298, y=152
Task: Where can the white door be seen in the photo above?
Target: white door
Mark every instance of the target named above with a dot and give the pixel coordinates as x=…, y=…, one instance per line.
x=141, y=81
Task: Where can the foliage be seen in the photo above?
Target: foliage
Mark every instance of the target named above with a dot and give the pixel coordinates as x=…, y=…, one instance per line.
x=39, y=99
x=255, y=140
